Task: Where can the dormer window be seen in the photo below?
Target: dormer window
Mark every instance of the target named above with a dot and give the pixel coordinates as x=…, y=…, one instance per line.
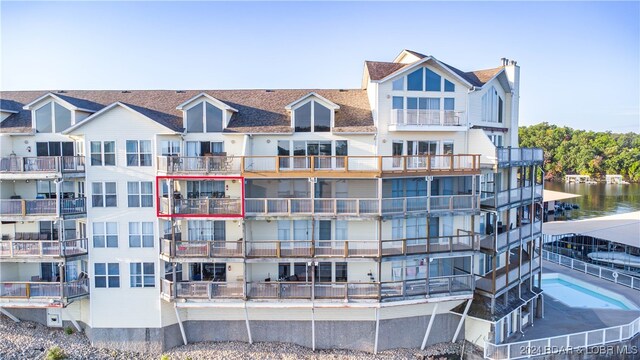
x=204, y=117
x=312, y=115
x=492, y=106
x=52, y=117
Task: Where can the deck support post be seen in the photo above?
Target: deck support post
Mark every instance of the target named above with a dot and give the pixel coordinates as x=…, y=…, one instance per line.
x=464, y=316
x=426, y=333
x=9, y=315
x=375, y=343
x=73, y=321
x=246, y=321
x=313, y=329
x=184, y=335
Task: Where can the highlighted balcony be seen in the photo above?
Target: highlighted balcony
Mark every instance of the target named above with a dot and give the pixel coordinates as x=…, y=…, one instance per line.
x=200, y=197
x=41, y=167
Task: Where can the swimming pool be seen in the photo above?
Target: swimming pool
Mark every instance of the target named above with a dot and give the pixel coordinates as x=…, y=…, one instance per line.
x=575, y=293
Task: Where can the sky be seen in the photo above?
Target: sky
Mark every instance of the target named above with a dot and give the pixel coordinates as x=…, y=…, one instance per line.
x=580, y=61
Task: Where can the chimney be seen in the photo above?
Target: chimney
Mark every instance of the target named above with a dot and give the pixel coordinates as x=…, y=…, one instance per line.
x=513, y=63
x=504, y=61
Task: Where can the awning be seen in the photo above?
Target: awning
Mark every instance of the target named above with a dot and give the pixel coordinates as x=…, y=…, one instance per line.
x=550, y=195
x=619, y=228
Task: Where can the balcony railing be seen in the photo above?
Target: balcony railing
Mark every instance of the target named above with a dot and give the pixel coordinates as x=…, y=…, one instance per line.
x=209, y=290
x=512, y=236
x=433, y=286
x=312, y=206
x=431, y=164
x=38, y=248
x=519, y=156
x=200, y=164
x=438, y=203
x=213, y=248
x=321, y=290
x=419, y=117
x=511, y=196
x=202, y=207
x=42, y=164
x=311, y=164
x=45, y=290
x=277, y=249
x=432, y=245
x=42, y=207
x=486, y=283
x=323, y=248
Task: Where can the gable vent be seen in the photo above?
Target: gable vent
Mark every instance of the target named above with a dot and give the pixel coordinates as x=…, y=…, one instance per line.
x=343, y=90
x=61, y=91
x=269, y=90
x=126, y=92
x=180, y=91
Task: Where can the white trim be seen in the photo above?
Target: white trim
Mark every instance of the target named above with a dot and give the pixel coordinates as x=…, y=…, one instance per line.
x=215, y=101
x=68, y=105
x=104, y=110
x=9, y=111
x=418, y=63
x=330, y=104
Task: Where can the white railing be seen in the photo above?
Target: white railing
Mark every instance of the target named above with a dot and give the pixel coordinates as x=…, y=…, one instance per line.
x=312, y=206
x=42, y=248
x=591, y=269
x=41, y=164
x=560, y=344
x=199, y=164
x=419, y=117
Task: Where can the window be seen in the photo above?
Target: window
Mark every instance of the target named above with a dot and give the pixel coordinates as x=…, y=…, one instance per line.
x=106, y=275
x=449, y=103
x=398, y=103
x=142, y=275
x=105, y=234
x=103, y=153
x=47, y=189
x=415, y=81
x=341, y=272
x=492, y=106
x=138, y=153
x=496, y=139
x=323, y=272
x=54, y=148
x=312, y=115
x=433, y=81
x=170, y=147
x=398, y=84
x=204, y=117
x=449, y=86
x=206, y=230
x=52, y=117
x=141, y=234
x=140, y=194
x=104, y=194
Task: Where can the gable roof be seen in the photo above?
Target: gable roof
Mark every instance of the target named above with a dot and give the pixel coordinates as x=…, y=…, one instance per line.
x=73, y=104
x=331, y=104
x=258, y=111
x=211, y=98
x=379, y=70
x=105, y=110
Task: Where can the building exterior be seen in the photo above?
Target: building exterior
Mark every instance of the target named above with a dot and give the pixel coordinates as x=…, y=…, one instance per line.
x=400, y=214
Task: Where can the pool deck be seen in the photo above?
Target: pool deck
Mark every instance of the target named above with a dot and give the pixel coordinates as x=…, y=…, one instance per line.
x=560, y=319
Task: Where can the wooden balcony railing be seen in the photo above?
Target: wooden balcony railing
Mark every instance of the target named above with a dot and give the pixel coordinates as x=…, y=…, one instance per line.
x=42, y=207
x=42, y=164
x=200, y=164
x=279, y=249
x=202, y=207
x=462, y=242
x=312, y=206
x=439, y=203
x=39, y=248
x=48, y=290
x=503, y=274
x=322, y=248
x=509, y=237
x=431, y=164
x=213, y=248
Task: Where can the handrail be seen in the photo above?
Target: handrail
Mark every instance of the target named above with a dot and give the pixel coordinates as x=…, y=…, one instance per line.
x=48, y=207
x=199, y=164
x=42, y=248
x=451, y=243
x=424, y=117
x=41, y=164
x=595, y=270
x=43, y=289
x=549, y=345
x=202, y=206
x=202, y=248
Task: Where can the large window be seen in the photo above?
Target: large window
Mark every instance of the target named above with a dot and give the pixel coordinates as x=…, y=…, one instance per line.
x=139, y=153
x=141, y=234
x=142, y=275
x=140, y=193
x=206, y=230
x=103, y=153
x=492, y=106
x=52, y=117
x=169, y=147
x=312, y=116
x=204, y=117
x=104, y=194
x=106, y=275
x=54, y=148
x=105, y=234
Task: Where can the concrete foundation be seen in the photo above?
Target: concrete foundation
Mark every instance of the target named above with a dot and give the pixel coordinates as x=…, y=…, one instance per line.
x=150, y=340
x=409, y=332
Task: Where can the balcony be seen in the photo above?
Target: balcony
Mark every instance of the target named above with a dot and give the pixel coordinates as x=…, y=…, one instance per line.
x=433, y=286
x=506, y=238
x=201, y=290
x=201, y=249
x=431, y=204
x=19, y=209
x=311, y=166
x=414, y=165
x=33, y=167
x=308, y=206
x=200, y=165
x=39, y=249
x=509, y=273
x=201, y=207
x=321, y=290
x=34, y=290
x=322, y=248
x=508, y=157
x=512, y=196
x=426, y=120
x=443, y=244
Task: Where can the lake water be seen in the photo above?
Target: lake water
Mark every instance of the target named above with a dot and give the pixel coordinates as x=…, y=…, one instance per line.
x=599, y=199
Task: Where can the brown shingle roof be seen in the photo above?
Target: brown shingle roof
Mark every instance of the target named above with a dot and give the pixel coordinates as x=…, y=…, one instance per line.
x=259, y=111
x=379, y=70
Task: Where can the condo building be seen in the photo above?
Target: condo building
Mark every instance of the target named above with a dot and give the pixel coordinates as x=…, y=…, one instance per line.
x=399, y=214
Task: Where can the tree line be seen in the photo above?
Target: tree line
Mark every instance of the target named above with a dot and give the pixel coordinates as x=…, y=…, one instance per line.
x=569, y=151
